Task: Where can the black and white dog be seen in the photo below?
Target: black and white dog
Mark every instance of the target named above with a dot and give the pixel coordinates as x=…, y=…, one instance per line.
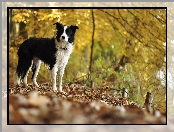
x=54, y=52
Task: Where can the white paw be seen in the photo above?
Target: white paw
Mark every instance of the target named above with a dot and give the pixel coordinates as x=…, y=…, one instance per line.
x=55, y=89
x=64, y=93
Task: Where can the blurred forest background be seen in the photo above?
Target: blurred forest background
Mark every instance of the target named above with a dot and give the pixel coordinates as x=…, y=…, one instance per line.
x=117, y=48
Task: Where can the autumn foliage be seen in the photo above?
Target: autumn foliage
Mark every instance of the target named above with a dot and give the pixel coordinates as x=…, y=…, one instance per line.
x=129, y=47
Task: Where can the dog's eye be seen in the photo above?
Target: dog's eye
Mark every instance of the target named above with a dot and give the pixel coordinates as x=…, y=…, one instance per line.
x=68, y=31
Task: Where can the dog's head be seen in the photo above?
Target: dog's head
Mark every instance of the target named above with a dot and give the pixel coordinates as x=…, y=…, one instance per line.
x=65, y=33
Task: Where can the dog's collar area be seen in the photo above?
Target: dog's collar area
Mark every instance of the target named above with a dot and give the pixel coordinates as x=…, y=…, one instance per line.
x=64, y=48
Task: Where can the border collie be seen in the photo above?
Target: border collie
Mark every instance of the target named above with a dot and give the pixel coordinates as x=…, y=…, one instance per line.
x=54, y=52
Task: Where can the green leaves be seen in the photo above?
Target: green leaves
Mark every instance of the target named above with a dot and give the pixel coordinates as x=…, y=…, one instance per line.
x=99, y=62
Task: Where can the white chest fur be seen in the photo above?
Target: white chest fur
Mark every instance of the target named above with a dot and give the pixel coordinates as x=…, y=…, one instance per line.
x=62, y=55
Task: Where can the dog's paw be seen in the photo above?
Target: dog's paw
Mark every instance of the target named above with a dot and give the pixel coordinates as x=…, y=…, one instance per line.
x=55, y=90
x=64, y=94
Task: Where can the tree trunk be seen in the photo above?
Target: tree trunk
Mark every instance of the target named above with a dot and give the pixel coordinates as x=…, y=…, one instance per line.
x=92, y=45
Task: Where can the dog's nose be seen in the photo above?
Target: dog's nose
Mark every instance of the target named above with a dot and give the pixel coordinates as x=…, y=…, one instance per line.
x=63, y=37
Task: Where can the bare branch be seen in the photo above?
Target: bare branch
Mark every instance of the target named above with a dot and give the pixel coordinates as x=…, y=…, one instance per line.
x=132, y=32
x=145, y=25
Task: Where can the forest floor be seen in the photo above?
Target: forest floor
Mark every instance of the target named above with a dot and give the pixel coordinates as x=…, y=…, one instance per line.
x=78, y=105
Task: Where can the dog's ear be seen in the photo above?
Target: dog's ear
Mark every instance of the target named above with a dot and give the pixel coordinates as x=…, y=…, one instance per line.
x=74, y=28
x=58, y=25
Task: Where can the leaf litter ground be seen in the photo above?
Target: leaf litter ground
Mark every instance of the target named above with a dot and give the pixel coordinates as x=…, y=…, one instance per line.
x=78, y=105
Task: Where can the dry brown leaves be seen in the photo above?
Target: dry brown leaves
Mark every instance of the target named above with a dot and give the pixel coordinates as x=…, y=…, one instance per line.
x=79, y=105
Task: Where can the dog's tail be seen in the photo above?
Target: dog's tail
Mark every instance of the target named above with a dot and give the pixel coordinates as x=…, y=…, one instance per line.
x=16, y=78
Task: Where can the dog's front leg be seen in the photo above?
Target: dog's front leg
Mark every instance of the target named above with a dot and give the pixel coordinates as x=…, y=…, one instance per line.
x=53, y=77
x=60, y=75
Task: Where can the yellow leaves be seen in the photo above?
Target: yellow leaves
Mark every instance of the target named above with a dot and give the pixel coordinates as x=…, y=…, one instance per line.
x=50, y=15
x=35, y=12
x=86, y=15
x=135, y=49
x=146, y=60
x=25, y=22
x=11, y=49
x=17, y=18
x=81, y=74
x=21, y=16
x=78, y=21
x=26, y=14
